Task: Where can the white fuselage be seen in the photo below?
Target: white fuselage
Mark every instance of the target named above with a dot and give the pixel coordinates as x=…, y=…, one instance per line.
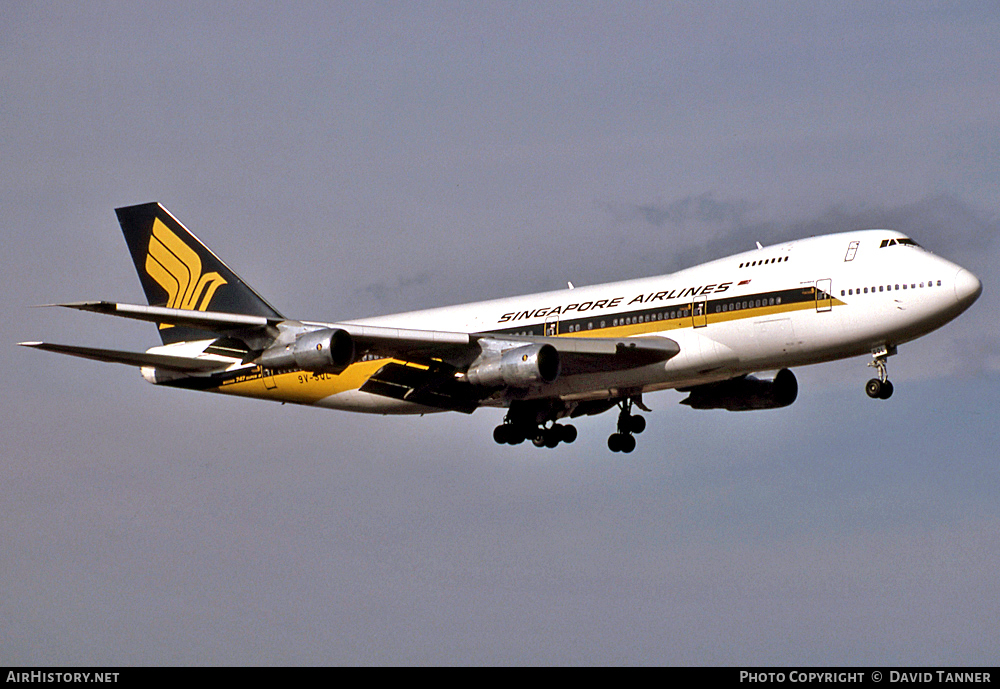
x=837, y=296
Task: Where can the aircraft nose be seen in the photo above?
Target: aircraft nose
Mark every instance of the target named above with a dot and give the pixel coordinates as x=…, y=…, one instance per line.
x=967, y=288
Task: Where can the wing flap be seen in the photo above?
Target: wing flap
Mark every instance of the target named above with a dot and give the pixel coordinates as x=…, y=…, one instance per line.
x=418, y=346
x=601, y=354
x=427, y=386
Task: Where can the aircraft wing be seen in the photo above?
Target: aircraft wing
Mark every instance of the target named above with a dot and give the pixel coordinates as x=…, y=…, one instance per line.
x=434, y=385
x=577, y=354
x=164, y=361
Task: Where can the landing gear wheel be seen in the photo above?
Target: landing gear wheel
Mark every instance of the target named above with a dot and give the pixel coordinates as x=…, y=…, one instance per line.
x=637, y=424
x=621, y=442
x=873, y=388
x=568, y=433
x=886, y=391
x=500, y=434
x=879, y=389
x=515, y=435
x=628, y=443
x=508, y=434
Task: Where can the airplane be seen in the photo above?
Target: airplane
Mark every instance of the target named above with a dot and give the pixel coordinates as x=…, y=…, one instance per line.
x=725, y=332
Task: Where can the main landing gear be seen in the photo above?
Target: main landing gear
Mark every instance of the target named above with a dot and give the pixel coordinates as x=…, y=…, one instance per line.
x=514, y=431
x=628, y=423
x=880, y=388
x=536, y=420
x=540, y=436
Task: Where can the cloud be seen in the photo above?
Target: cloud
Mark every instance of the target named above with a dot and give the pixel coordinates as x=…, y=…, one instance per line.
x=395, y=295
x=942, y=222
x=703, y=208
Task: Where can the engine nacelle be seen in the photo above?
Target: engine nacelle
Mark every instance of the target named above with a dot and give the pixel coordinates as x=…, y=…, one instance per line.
x=321, y=351
x=754, y=391
x=519, y=367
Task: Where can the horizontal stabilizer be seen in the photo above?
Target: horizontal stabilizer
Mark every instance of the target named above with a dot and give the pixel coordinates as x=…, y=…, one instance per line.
x=164, y=361
x=214, y=321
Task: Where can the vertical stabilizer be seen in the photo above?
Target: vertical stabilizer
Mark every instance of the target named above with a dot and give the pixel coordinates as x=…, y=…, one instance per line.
x=178, y=271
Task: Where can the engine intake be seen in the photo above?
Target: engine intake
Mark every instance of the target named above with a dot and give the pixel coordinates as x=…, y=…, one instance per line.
x=519, y=367
x=330, y=350
x=745, y=393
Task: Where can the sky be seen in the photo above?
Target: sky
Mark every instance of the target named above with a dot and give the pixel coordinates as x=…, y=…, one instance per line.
x=355, y=159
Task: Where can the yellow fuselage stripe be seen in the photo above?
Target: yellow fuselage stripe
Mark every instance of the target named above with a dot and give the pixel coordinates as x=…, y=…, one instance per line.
x=303, y=387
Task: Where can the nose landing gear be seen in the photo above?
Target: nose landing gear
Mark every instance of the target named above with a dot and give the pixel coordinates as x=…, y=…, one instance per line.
x=880, y=388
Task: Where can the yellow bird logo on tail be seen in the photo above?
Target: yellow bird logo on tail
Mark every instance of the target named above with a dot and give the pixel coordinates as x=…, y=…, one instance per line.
x=176, y=267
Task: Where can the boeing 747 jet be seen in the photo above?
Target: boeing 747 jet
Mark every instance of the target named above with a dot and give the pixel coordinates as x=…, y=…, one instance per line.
x=725, y=333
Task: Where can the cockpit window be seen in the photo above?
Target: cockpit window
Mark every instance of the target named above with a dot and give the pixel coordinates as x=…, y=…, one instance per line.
x=906, y=241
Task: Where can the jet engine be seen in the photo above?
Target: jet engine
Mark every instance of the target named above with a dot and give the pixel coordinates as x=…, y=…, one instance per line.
x=519, y=367
x=755, y=391
x=329, y=350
